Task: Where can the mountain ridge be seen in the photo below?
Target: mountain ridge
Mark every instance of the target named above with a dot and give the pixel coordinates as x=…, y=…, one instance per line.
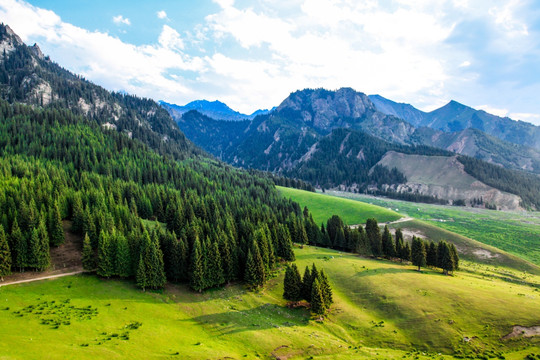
x=213, y=109
x=455, y=116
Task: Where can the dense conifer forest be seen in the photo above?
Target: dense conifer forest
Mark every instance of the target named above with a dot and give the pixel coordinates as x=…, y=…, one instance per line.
x=216, y=224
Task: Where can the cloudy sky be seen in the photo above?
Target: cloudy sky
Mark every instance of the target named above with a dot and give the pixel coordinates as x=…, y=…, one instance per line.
x=252, y=54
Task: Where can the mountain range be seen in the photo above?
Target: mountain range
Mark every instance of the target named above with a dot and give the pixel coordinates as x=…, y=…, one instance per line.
x=214, y=109
x=337, y=139
x=454, y=117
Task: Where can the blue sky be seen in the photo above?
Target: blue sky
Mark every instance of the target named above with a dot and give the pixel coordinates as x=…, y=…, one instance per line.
x=252, y=54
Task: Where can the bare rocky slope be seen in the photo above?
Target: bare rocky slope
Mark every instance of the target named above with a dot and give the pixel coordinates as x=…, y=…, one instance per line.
x=445, y=178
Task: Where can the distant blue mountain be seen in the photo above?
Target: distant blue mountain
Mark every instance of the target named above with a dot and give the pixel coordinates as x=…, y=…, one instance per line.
x=457, y=117
x=213, y=109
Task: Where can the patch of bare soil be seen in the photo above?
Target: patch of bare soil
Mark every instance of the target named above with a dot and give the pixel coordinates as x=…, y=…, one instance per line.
x=484, y=254
x=408, y=234
x=276, y=352
x=65, y=258
x=523, y=331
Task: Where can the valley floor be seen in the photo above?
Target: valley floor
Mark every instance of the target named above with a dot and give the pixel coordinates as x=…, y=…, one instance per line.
x=382, y=310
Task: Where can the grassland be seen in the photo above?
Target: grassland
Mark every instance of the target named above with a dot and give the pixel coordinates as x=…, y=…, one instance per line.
x=468, y=248
x=382, y=310
x=515, y=232
x=352, y=212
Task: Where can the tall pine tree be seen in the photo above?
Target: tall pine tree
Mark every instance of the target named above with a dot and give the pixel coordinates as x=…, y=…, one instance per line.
x=43, y=259
x=431, y=258
x=197, y=271
x=317, y=301
x=389, y=249
x=418, y=252
x=292, y=284
x=104, y=263
x=56, y=230
x=326, y=290
x=254, y=273
x=307, y=281
x=399, y=243
x=88, y=257
x=374, y=235
x=5, y=255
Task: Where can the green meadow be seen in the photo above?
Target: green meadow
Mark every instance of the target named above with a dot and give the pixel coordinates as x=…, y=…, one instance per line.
x=382, y=309
x=517, y=232
x=352, y=212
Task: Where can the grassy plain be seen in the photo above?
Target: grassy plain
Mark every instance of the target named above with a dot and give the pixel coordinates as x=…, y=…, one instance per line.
x=382, y=310
x=517, y=232
x=352, y=212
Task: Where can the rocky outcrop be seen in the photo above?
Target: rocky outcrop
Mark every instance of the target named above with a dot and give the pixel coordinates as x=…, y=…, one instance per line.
x=325, y=110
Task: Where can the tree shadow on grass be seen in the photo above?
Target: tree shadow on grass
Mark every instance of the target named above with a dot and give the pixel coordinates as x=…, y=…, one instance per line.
x=264, y=317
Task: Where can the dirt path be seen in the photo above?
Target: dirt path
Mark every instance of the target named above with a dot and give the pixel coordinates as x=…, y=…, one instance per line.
x=404, y=219
x=41, y=278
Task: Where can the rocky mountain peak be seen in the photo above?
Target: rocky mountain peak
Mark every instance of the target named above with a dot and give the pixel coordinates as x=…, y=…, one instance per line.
x=37, y=51
x=8, y=39
x=322, y=108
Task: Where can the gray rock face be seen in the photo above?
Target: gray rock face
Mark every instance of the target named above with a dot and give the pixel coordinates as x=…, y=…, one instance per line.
x=37, y=51
x=326, y=110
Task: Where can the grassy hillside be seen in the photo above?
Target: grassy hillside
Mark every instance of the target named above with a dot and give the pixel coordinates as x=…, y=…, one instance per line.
x=515, y=232
x=382, y=309
x=323, y=207
x=468, y=249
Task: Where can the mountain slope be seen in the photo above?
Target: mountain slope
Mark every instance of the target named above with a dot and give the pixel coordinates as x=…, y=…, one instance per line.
x=475, y=143
x=403, y=111
x=26, y=76
x=444, y=178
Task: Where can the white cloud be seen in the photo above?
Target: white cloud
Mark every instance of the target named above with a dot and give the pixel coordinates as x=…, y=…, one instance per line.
x=506, y=18
x=119, y=20
x=341, y=43
x=465, y=64
x=170, y=39
x=532, y=118
x=493, y=110
x=161, y=14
